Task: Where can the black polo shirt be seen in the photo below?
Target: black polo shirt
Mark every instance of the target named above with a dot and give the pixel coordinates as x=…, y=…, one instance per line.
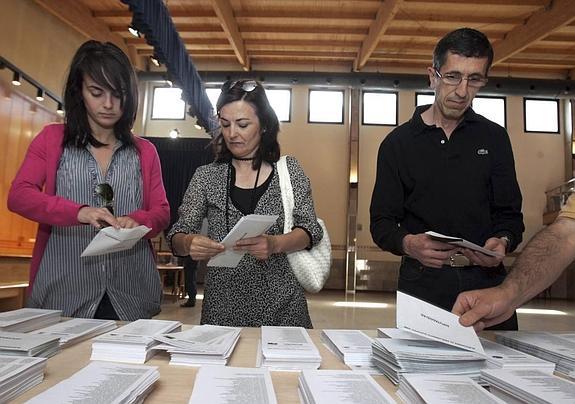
x=464, y=186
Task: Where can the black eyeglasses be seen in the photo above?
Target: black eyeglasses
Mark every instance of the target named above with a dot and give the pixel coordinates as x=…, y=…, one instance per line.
x=246, y=85
x=106, y=193
x=453, y=79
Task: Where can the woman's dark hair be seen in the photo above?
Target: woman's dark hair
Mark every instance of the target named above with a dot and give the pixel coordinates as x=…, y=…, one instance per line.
x=466, y=42
x=108, y=66
x=253, y=92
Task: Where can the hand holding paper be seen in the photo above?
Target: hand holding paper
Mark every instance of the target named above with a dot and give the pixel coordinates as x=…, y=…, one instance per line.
x=415, y=315
x=109, y=240
x=462, y=243
x=247, y=226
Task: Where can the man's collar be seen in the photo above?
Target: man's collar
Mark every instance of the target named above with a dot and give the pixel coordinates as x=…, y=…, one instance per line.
x=421, y=127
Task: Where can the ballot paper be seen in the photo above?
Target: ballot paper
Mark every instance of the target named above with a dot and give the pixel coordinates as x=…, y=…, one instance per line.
x=287, y=348
x=77, y=329
x=100, y=382
x=529, y=386
x=340, y=387
x=109, y=240
x=19, y=374
x=462, y=243
x=430, y=321
x=443, y=389
x=247, y=226
x=228, y=385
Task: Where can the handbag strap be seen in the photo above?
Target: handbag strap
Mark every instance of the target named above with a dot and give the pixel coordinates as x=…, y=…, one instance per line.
x=287, y=193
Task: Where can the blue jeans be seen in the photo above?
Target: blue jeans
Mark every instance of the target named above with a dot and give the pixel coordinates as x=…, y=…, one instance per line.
x=440, y=286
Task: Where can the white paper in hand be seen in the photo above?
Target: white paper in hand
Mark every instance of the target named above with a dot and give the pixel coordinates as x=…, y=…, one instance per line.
x=415, y=315
x=247, y=226
x=461, y=242
x=109, y=240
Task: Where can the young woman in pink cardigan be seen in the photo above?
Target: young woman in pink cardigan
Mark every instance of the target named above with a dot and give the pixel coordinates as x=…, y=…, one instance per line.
x=88, y=173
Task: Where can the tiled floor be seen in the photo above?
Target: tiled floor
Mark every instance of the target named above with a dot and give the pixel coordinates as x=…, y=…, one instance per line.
x=370, y=310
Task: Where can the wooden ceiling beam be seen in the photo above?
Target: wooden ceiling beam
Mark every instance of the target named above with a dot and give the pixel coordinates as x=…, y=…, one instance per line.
x=558, y=14
x=385, y=15
x=81, y=19
x=229, y=24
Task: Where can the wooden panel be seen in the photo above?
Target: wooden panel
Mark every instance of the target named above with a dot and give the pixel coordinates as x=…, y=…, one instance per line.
x=21, y=118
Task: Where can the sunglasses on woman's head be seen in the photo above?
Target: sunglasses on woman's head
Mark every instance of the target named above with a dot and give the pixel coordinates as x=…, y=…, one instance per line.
x=106, y=193
x=246, y=85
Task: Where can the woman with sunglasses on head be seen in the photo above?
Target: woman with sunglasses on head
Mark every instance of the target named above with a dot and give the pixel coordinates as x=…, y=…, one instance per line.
x=262, y=289
x=75, y=177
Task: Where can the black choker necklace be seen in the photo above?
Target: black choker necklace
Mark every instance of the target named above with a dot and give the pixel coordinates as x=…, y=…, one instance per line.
x=243, y=158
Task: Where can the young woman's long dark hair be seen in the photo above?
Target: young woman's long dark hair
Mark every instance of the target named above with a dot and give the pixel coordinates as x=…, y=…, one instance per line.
x=108, y=66
x=253, y=92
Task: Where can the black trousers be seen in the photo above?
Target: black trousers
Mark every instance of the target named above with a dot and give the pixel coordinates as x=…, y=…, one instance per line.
x=440, y=286
x=105, y=310
x=190, y=269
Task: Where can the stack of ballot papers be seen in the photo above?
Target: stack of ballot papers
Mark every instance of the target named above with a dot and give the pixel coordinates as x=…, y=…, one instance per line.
x=19, y=374
x=101, y=382
x=396, y=357
x=340, y=387
x=21, y=344
x=200, y=345
x=544, y=345
x=26, y=320
x=132, y=343
x=420, y=388
x=223, y=385
x=530, y=386
x=287, y=348
x=77, y=329
x=352, y=347
x=497, y=356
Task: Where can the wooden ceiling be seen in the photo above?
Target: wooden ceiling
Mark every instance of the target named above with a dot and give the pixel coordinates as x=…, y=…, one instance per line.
x=531, y=38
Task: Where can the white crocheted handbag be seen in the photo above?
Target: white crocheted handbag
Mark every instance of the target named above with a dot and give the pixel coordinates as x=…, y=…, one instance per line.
x=310, y=267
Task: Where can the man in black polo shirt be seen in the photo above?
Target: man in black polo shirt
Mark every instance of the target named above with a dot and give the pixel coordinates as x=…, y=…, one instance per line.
x=451, y=171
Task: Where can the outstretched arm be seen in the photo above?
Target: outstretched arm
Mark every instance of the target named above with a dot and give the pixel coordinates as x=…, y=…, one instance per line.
x=540, y=264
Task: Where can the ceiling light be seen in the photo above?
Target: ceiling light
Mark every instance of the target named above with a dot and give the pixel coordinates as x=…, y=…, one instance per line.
x=133, y=31
x=40, y=94
x=16, y=79
x=175, y=133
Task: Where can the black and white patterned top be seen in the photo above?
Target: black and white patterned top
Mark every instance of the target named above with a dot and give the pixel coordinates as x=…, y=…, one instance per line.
x=67, y=282
x=256, y=292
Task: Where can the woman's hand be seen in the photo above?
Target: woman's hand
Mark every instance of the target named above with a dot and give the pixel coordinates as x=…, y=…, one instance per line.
x=127, y=222
x=201, y=247
x=260, y=247
x=97, y=217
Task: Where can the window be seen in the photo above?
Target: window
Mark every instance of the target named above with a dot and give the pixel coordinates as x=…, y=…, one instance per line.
x=325, y=106
x=168, y=104
x=424, y=99
x=541, y=115
x=213, y=94
x=492, y=108
x=280, y=100
x=379, y=108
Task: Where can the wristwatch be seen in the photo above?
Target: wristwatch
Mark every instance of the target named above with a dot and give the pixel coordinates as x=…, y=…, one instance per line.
x=507, y=242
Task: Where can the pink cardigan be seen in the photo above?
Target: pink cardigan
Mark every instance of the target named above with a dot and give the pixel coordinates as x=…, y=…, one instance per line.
x=38, y=172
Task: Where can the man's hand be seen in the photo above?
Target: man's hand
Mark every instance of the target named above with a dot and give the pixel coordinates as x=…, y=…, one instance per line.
x=202, y=247
x=494, y=244
x=260, y=247
x=429, y=252
x=484, y=307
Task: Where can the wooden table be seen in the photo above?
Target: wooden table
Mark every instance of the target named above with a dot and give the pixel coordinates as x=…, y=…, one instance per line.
x=176, y=382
